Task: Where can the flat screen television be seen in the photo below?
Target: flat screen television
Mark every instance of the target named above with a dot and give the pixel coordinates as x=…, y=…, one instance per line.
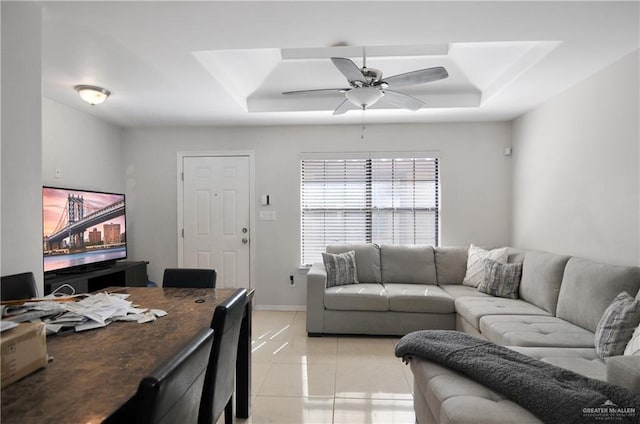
x=82, y=230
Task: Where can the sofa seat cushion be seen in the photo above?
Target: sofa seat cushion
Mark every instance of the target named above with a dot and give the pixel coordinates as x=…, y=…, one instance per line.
x=624, y=371
x=583, y=361
x=419, y=298
x=454, y=398
x=531, y=330
x=357, y=297
x=473, y=308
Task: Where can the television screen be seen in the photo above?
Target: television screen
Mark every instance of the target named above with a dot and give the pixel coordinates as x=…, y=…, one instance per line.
x=82, y=228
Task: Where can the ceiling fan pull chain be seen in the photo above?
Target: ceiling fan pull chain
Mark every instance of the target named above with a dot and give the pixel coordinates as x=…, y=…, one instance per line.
x=363, y=128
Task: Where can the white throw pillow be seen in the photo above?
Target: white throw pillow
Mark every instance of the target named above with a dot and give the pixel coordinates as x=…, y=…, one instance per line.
x=633, y=347
x=475, y=263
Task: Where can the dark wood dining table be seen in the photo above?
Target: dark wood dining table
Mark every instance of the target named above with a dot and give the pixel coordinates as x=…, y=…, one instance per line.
x=95, y=373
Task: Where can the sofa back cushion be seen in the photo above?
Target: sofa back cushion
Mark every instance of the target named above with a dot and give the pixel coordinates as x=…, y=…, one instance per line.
x=451, y=264
x=515, y=255
x=588, y=288
x=367, y=260
x=413, y=264
x=541, y=279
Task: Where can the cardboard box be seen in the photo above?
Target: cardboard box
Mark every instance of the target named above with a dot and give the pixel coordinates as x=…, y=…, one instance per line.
x=24, y=350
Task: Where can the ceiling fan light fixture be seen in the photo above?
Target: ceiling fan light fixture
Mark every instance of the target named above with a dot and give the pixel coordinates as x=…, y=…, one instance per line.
x=363, y=97
x=92, y=94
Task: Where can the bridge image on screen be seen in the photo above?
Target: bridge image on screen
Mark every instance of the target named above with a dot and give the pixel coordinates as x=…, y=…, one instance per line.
x=82, y=227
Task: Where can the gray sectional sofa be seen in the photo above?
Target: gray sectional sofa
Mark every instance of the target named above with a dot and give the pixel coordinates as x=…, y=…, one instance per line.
x=408, y=288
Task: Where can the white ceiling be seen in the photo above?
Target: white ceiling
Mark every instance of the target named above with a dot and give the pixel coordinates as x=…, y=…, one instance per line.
x=226, y=63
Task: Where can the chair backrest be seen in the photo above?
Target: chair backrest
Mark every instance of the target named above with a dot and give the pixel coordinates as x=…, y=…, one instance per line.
x=219, y=381
x=18, y=286
x=189, y=278
x=172, y=393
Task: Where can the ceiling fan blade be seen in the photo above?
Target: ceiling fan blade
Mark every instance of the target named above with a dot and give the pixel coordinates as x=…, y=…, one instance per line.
x=319, y=90
x=402, y=100
x=342, y=107
x=348, y=69
x=421, y=76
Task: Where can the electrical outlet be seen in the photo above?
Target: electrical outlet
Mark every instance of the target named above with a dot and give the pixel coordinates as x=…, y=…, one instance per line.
x=292, y=282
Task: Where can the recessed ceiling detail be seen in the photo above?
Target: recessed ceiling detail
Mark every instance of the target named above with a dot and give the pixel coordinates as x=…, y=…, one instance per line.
x=256, y=78
x=240, y=72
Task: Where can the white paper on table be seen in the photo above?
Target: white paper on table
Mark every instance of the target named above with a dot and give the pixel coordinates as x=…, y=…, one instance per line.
x=99, y=307
x=123, y=312
x=129, y=317
x=7, y=325
x=96, y=311
x=146, y=317
x=90, y=325
x=53, y=328
x=68, y=317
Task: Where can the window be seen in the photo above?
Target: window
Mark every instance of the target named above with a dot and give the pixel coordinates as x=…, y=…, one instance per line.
x=383, y=199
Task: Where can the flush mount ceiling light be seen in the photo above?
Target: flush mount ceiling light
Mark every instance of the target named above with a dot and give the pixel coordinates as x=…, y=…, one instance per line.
x=92, y=94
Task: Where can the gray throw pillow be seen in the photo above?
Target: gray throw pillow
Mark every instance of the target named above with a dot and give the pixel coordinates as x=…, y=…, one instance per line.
x=341, y=268
x=500, y=279
x=616, y=325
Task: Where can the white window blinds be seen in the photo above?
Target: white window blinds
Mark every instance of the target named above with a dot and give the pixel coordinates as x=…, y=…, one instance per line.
x=379, y=200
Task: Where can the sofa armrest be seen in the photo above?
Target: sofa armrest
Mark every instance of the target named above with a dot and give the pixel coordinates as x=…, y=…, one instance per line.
x=624, y=371
x=316, y=283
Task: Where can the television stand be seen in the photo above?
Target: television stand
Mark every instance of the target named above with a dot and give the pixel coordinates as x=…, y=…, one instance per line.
x=122, y=273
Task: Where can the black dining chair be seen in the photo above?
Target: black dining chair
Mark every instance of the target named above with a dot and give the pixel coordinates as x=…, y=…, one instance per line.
x=189, y=278
x=18, y=286
x=217, y=394
x=172, y=393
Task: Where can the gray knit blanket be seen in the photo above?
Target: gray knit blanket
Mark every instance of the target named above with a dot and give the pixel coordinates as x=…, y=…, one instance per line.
x=553, y=394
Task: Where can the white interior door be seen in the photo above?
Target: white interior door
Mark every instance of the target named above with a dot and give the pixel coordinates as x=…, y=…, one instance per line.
x=216, y=210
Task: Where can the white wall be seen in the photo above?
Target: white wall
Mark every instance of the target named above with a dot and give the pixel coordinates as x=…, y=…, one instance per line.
x=576, y=176
x=475, y=185
x=21, y=140
x=85, y=149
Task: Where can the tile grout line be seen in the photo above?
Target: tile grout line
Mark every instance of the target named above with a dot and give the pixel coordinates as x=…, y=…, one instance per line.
x=335, y=383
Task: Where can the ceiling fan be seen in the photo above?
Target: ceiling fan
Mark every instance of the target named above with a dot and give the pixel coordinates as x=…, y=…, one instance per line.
x=366, y=85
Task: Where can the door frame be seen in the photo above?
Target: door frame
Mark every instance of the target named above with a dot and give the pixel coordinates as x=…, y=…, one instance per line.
x=180, y=200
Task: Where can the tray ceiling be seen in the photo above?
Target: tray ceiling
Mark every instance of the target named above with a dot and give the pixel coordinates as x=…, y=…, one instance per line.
x=227, y=63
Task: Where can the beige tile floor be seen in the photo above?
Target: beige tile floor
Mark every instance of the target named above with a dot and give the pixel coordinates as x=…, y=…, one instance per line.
x=333, y=380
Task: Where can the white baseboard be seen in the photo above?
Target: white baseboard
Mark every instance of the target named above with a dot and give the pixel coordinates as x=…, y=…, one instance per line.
x=284, y=308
